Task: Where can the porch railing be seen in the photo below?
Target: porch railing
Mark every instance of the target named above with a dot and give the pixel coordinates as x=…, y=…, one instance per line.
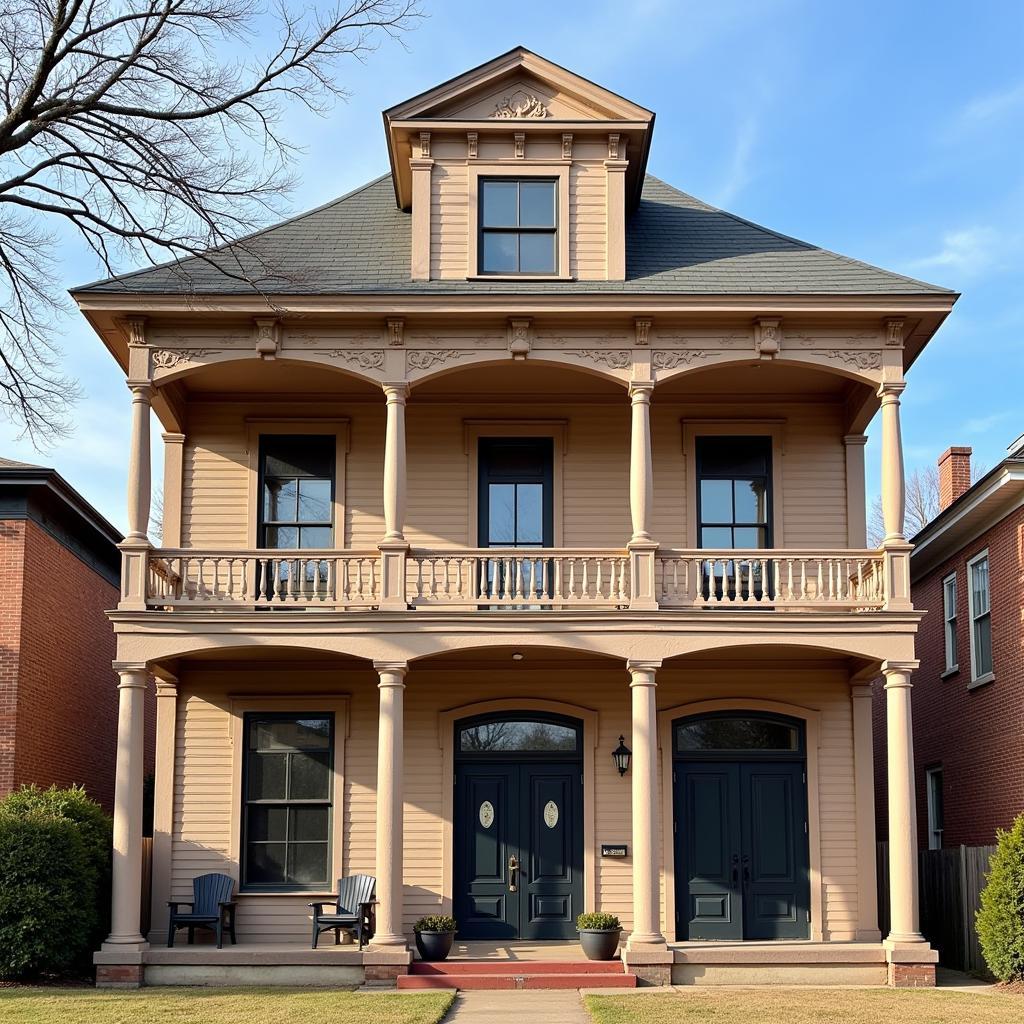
x=518, y=578
x=537, y=578
x=769, y=579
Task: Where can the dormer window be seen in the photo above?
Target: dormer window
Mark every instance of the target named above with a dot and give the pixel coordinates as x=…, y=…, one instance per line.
x=518, y=226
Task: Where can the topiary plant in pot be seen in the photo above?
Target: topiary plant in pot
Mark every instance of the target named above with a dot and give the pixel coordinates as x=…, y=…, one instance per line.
x=599, y=935
x=434, y=936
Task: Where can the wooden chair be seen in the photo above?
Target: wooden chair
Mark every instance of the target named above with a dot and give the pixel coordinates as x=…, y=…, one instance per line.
x=354, y=908
x=212, y=908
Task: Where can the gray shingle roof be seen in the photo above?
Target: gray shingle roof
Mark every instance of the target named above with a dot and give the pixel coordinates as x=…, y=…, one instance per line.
x=675, y=243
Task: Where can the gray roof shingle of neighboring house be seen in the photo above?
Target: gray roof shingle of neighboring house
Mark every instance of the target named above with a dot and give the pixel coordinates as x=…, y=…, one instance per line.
x=360, y=243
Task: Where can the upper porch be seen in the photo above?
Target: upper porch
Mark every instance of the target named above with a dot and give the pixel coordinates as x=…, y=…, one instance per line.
x=623, y=510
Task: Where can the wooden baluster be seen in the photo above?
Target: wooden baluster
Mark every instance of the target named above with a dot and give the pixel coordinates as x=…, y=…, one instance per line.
x=544, y=589
x=585, y=588
x=613, y=585
x=860, y=579
x=831, y=594
x=557, y=589
x=518, y=563
x=533, y=579
x=776, y=581
x=821, y=582
x=572, y=579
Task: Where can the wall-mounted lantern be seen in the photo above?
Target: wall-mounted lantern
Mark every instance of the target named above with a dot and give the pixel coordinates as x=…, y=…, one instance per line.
x=621, y=756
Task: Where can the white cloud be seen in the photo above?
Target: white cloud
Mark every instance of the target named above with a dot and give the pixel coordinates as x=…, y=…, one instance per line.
x=992, y=106
x=967, y=251
x=740, y=170
x=983, y=424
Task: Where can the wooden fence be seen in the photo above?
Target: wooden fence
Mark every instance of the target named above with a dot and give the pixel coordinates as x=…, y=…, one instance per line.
x=950, y=884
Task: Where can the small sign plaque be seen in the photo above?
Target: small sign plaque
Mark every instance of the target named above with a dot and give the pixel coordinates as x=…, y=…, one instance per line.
x=614, y=850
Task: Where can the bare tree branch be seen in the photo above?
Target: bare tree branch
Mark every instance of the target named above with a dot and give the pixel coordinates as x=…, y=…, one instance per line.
x=153, y=130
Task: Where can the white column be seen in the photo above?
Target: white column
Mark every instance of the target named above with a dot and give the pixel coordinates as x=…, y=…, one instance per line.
x=126, y=883
x=139, y=473
x=163, y=802
x=904, y=924
x=864, y=788
x=893, y=485
x=394, y=548
x=646, y=881
x=641, y=498
x=389, y=803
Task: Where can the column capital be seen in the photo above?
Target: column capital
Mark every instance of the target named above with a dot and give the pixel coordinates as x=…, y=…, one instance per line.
x=129, y=671
x=142, y=390
x=891, y=390
x=392, y=673
x=855, y=439
x=640, y=391
x=897, y=673
x=171, y=437
x=167, y=687
x=396, y=391
x=644, y=668
x=861, y=691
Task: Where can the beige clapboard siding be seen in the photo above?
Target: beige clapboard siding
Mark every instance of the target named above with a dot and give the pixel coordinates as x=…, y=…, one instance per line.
x=588, y=220
x=449, y=220
x=204, y=785
x=595, y=468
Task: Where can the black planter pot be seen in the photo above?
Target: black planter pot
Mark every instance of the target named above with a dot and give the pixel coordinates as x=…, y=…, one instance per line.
x=434, y=946
x=600, y=943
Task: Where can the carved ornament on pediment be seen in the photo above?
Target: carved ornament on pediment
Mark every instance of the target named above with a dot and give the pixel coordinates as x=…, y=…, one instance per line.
x=614, y=359
x=520, y=106
x=423, y=359
x=268, y=334
x=365, y=359
x=767, y=337
x=860, y=360
x=167, y=358
x=669, y=359
x=519, y=338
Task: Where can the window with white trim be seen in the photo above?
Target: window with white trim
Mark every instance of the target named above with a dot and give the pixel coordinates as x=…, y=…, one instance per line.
x=936, y=814
x=981, y=617
x=949, y=620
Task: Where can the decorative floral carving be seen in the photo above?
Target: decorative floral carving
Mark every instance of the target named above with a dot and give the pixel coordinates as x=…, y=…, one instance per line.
x=425, y=145
x=519, y=340
x=396, y=332
x=643, y=331
x=566, y=145
x=267, y=335
x=137, y=330
x=670, y=359
x=319, y=340
x=520, y=105
x=613, y=359
x=366, y=359
x=520, y=140
x=767, y=337
x=471, y=145
x=166, y=358
x=613, y=146
x=858, y=360
x=422, y=359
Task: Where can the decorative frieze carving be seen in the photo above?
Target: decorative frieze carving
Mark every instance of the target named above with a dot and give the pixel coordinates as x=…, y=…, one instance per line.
x=519, y=338
x=858, y=360
x=396, y=332
x=643, y=331
x=519, y=106
x=613, y=359
x=167, y=358
x=137, y=330
x=423, y=359
x=613, y=145
x=669, y=359
x=472, y=142
x=425, y=145
x=365, y=359
x=566, y=145
x=323, y=340
x=767, y=337
x=520, y=139
x=894, y=332
x=817, y=340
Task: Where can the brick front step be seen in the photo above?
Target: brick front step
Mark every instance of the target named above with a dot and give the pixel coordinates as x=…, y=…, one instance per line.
x=522, y=977
x=463, y=967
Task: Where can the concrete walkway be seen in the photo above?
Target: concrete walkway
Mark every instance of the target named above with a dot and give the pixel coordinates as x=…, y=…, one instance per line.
x=509, y=1007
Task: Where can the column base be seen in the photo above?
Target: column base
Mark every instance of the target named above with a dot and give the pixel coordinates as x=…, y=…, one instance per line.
x=650, y=962
x=128, y=944
x=911, y=962
x=120, y=975
x=911, y=976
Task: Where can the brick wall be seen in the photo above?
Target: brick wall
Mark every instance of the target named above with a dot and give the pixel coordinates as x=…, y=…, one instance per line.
x=60, y=677
x=12, y=538
x=977, y=736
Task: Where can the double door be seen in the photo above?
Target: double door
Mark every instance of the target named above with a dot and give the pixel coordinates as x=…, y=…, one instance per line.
x=518, y=849
x=741, y=850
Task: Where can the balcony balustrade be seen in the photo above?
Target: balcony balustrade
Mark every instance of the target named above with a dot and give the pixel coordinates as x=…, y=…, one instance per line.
x=517, y=578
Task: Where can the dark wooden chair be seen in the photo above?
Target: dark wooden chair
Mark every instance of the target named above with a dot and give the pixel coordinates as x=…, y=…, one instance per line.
x=354, y=909
x=212, y=908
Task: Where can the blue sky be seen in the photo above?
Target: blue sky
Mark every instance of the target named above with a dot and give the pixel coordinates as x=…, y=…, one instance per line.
x=891, y=132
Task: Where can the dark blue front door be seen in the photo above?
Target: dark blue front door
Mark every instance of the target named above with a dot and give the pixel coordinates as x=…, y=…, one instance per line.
x=741, y=850
x=518, y=849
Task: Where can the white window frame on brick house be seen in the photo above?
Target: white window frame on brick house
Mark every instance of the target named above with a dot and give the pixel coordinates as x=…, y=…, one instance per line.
x=949, y=624
x=933, y=787
x=980, y=617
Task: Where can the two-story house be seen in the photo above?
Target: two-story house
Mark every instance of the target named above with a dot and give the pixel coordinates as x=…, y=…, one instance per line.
x=508, y=460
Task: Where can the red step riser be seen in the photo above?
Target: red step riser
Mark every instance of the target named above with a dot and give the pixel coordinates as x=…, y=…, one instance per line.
x=464, y=967
x=508, y=982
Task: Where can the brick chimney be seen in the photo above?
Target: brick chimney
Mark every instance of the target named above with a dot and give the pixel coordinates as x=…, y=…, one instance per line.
x=954, y=475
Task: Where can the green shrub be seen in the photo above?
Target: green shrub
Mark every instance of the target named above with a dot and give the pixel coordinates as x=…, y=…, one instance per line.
x=597, y=921
x=436, y=923
x=1001, y=917
x=54, y=880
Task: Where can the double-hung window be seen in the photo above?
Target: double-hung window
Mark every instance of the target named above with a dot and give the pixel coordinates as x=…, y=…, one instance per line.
x=286, y=815
x=933, y=779
x=949, y=621
x=518, y=226
x=981, y=618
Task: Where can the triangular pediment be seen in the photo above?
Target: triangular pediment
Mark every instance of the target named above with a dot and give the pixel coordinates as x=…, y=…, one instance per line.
x=519, y=85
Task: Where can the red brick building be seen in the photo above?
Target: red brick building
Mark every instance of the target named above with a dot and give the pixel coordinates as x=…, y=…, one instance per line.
x=967, y=573
x=59, y=573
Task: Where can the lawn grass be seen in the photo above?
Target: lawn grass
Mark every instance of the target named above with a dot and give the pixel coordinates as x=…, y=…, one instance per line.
x=219, y=1006
x=807, y=1006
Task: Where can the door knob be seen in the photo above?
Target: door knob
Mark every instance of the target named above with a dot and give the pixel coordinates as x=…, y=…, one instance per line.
x=513, y=874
